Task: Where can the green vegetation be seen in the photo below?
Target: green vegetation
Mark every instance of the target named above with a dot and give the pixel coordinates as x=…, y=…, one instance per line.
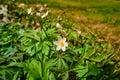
x=57, y=42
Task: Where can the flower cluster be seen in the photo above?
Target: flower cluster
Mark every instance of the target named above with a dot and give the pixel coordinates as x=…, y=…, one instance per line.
x=3, y=11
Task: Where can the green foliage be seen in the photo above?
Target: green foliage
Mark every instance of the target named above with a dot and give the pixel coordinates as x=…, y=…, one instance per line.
x=27, y=50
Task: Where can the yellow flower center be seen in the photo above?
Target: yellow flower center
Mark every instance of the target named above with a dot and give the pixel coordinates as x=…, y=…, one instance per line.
x=61, y=43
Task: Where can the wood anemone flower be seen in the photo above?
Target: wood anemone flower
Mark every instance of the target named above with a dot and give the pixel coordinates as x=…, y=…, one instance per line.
x=58, y=25
x=61, y=44
x=29, y=11
x=44, y=15
x=3, y=10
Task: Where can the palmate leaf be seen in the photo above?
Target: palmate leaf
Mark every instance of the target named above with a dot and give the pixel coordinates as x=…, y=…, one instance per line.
x=32, y=34
x=81, y=71
x=11, y=71
x=37, y=70
x=61, y=64
x=51, y=76
x=93, y=69
x=10, y=51
x=42, y=34
x=65, y=77
x=45, y=47
x=15, y=77
x=51, y=63
x=52, y=32
x=34, y=70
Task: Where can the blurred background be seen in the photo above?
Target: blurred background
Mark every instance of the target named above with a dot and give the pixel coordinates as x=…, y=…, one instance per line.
x=101, y=16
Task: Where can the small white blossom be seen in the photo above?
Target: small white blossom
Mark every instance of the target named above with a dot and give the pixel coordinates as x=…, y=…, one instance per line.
x=38, y=14
x=3, y=10
x=5, y=19
x=58, y=25
x=44, y=15
x=41, y=9
x=61, y=44
x=29, y=11
x=78, y=31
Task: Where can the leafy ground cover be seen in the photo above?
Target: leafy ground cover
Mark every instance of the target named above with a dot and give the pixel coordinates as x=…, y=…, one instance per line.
x=77, y=40
x=101, y=16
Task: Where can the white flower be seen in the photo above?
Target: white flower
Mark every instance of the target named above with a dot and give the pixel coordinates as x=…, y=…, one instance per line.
x=5, y=19
x=3, y=10
x=38, y=14
x=44, y=15
x=29, y=11
x=61, y=44
x=41, y=9
x=58, y=25
x=78, y=31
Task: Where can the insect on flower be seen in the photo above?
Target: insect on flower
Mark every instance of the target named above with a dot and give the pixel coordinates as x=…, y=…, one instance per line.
x=61, y=44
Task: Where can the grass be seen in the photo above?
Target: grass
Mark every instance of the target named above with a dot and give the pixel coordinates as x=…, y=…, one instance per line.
x=100, y=10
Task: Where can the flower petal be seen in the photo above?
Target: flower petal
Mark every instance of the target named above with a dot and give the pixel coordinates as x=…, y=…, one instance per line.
x=58, y=48
x=66, y=44
x=55, y=42
x=59, y=38
x=63, y=48
x=64, y=39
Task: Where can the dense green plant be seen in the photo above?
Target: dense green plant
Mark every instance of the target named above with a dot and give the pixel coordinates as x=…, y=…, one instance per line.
x=30, y=49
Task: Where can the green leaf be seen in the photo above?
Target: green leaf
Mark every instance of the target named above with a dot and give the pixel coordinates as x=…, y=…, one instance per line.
x=93, y=69
x=34, y=69
x=65, y=77
x=89, y=53
x=52, y=32
x=81, y=71
x=52, y=77
x=32, y=34
x=15, y=76
x=73, y=35
x=42, y=34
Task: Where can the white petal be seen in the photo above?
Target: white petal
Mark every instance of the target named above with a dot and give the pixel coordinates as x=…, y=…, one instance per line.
x=64, y=39
x=58, y=48
x=38, y=14
x=58, y=25
x=41, y=9
x=66, y=44
x=55, y=42
x=59, y=38
x=63, y=48
x=44, y=15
